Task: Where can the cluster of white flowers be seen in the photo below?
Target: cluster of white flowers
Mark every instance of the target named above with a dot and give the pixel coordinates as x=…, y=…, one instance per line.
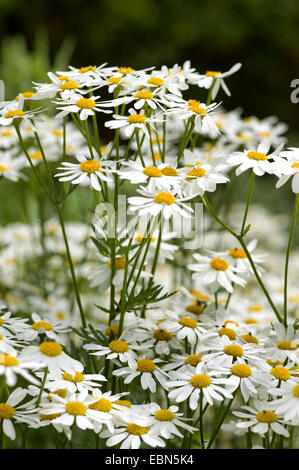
x=118, y=328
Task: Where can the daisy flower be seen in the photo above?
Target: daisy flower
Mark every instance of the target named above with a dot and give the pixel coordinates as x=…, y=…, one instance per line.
x=261, y=419
x=164, y=422
x=74, y=408
x=286, y=166
x=132, y=122
x=216, y=271
x=51, y=355
x=10, y=167
x=183, y=327
x=216, y=77
x=74, y=382
x=116, y=349
x=200, y=113
x=283, y=343
x=237, y=257
x=148, y=372
x=10, y=411
x=159, y=177
x=192, y=384
x=88, y=172
x=14, y=113
x=12, y=365
x=51, y=329
x=257, y=160
x=288, y=404
x=133, y=435
x=85, y=107
x=155, y=203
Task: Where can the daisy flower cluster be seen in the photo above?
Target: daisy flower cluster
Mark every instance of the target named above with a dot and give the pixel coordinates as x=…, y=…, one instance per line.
x=116, y=330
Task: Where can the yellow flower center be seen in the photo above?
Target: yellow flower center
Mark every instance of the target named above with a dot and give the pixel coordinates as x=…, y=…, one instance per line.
x=114, y=80
x=6, y=133
x=264, y=134
x=90, y=166
x=169, y=171
x=275, y=363
x=155, y=81
x=102, y=405
x=255, y=308
x=295, y=165
x=250, y=339
x=196, y=173
x=162, y=335
x=137, y=430
x=219, y=264
x=88, y=68
x=227, y=332
x=200, y=381
x=230, y=321
x=281, y=373
x=164, y=198
x=42, y=324
x=62, y=393
x=157, y=156
x=36, y=155
x=146, y=365
x=49, y=417
x=189, y=322
x=8, y=361
x=250, y=320
x=295, y=391
x=267, y=417
x=211, y=73
x=14, y=113
x=233, y=350
x=195, y=108
x=125, y=403
x=63, y=77
x=152, y=172
x=118, y=346
x=164, y=415
x=75, y=408
x=140, y=237
x=3, y=168
x=193, y=360
x=136, y=118
x=126, y=70
x=241, y=370
x=85, y=103
x=194, y=308
x=6, y=411
x=144, y=95
x=120, y=263
x=27, y=94
x=78, y=377
x=237, y=253
x=58, y=133
x=50, y=349
x=256, y=155
x=69, y=85
x=112, y=329
x=287, y=345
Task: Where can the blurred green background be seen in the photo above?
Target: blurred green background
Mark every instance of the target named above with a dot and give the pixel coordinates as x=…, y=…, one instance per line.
x=39, y=36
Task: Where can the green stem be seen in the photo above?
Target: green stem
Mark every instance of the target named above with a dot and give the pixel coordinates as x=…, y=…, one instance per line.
x=293, y=225
x=248, y=202
x=42, y=388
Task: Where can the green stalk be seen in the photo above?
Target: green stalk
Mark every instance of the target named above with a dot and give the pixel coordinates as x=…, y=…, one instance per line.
x=293, y=225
